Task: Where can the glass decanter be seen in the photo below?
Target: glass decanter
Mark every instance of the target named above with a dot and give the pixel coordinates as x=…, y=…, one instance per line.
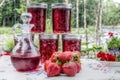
x=25, y=56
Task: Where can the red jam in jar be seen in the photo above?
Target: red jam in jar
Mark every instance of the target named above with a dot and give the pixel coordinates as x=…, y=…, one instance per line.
x=48, y=45
x=71, y=42
x=61, y=17
x=38, y=11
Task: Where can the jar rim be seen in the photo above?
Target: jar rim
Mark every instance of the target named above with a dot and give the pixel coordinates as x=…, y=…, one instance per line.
x=61, y=5
x=48, y=36
x=72, y=36
x=37, y=5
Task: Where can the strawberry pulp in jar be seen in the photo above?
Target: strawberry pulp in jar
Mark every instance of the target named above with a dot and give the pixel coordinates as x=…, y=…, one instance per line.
x=48, y=45
x=71, y=42
x=38, y=11
x=61, y=17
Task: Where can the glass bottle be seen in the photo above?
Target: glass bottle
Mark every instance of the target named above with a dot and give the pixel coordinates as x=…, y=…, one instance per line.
x=25, y=56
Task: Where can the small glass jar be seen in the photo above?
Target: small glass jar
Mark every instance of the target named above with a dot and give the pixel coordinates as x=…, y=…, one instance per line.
x=71, y=42
x=61, y=17
x=48, y=45
x=38, y=11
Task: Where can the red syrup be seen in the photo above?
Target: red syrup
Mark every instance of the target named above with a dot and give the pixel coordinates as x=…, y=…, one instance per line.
x=38, y=19
x=71, y=45
x=25, y=63
x=61, y=20
x=47, y=48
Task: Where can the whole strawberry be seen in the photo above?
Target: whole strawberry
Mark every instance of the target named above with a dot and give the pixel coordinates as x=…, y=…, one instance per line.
x=53, y=70
x=77, y=52
x=46, y=63
x=76, y=56
x=54, y=56
x=78, y=66
x=70, y=69
x=65, y=57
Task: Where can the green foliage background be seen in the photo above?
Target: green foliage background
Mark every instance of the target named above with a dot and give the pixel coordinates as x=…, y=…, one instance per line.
x=11, y=10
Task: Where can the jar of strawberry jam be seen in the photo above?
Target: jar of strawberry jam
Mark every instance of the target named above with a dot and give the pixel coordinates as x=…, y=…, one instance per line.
x=71, y=42
x=38, y=11
x=48, y=45
x=61, y=17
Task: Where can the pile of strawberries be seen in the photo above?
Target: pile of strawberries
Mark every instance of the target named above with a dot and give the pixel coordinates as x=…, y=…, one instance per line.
x=106, y=56
x=66, y=62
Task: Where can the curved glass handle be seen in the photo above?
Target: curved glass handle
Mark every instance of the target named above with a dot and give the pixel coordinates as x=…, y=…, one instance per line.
x=18, y=25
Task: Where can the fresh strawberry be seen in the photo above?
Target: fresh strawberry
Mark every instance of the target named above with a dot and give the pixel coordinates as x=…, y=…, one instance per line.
x=77, y=52
x=58, y=62
x=65, y=57
x=54, y=56
x=70, y=68
x=76, y=56
x=46, y=63
x=78, y=66
x=53, y=70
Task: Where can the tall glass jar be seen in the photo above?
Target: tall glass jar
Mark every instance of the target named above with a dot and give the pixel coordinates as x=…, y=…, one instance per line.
x=61, y=17
x=48, y=45
x=71, y=42
x=38, y=11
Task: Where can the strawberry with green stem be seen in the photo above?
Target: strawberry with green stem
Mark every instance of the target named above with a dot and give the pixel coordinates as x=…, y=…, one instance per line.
x=70, y=68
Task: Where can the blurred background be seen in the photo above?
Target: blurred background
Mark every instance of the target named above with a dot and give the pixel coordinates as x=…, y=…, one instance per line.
x=89, y=17
x=10, y=11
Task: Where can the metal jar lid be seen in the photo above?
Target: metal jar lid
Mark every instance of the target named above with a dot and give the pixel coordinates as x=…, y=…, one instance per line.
x=48, y=36
x=37, y=5
x=62, y=5
x=71, y=36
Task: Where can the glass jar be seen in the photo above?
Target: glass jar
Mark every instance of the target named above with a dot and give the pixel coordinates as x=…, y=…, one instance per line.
x=61, y=17
x=71, y=42
x=38, y=11
x=48, y=45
